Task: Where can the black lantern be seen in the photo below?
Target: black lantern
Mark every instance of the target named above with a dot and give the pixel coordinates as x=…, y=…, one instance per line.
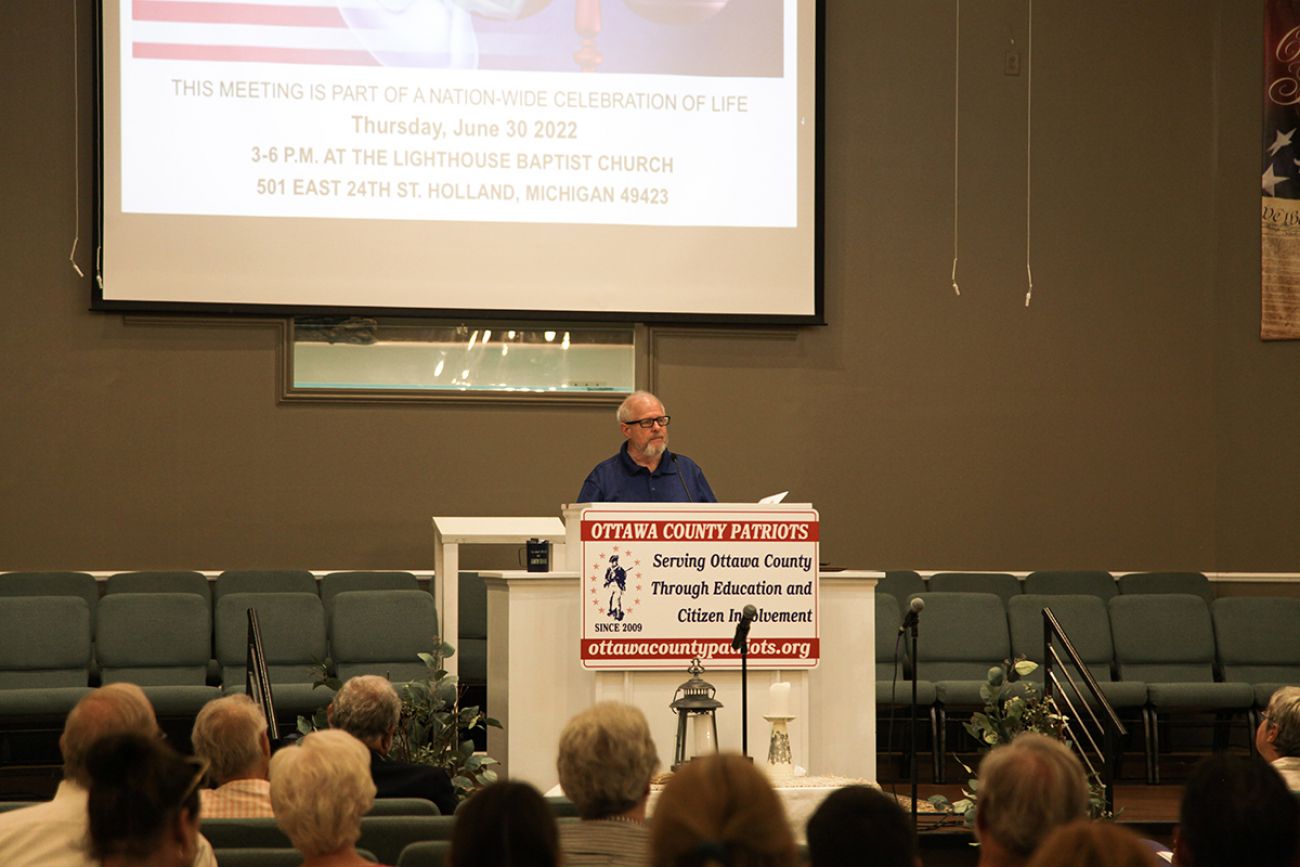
x=694, y=700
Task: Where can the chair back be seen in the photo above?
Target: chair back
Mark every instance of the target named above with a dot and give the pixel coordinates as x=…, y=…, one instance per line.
x=293, y=636
x=1084, y=618
x=44, y=642
x=1257, y=638
x=383, y=632
x=1078, y=583
x=80, y=584
x=154, y=639
x=159, y=582
x=1003, y=584
x=1194, y=583
x=961, y=636
x=1162, y=638
x=902, y=584
x=264, y=581
x=430, y=853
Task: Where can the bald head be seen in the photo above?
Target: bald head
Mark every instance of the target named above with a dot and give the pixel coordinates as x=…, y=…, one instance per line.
x=115, y=709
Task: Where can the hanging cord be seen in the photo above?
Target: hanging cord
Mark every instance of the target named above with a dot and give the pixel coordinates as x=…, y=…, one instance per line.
x=1029, y=152
x=76, y=147
x=956, y=141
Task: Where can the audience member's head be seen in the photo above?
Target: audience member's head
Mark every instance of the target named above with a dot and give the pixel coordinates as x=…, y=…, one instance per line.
x=1027, y=788
x=506, y=824
x=720, y=810
x=1093, y=844
x=606, y=758
x=118, y=708
x=849, y=818
x=1236, y=810
x=368, y=708
x=143, y=805
x=230, y=735
x=1278, y=734
x=320, y=789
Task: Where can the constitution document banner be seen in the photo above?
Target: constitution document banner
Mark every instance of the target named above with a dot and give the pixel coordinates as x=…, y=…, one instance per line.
x=662, y=587
x=1280, y=209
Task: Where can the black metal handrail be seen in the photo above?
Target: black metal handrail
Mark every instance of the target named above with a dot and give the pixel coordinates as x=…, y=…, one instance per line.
x=1099, y=759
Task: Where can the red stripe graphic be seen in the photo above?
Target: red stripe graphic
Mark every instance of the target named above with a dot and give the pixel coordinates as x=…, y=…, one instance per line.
x=706, y=648
x=252, y=54
x=237, y=13
x=703, y=530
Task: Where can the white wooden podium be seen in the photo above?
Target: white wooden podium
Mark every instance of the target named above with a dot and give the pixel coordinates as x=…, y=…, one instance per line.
x=536, y=681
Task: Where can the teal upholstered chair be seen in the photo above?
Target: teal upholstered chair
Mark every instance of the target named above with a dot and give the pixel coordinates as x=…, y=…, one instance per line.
x=264, y=581
x=962, y=635
x=293, y=639
x=159, y=581
x=430, y=853
x=902, y=584
x=44, y=656
x=161, y=642
x=471, y=650
x=1078, y=583
x=334, y=583
x=1257, y=639
x=404, y=807
x=1003, y=584
x=387, y=836
x=261, y=833
x=383, y=632
x=1166, y=640
x=1194, y=583
x=80, y=584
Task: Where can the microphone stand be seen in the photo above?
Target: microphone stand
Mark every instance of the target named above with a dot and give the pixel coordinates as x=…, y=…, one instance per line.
x=744, y=696
x=912, y=728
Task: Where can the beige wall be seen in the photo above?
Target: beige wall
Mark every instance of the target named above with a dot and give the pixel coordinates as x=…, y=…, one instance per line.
x=1129, y=419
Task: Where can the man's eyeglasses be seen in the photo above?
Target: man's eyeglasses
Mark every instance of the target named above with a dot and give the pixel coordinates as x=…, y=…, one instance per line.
x=648, y=423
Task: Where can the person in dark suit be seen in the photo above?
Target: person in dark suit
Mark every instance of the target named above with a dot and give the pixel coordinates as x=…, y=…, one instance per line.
x=368, y=708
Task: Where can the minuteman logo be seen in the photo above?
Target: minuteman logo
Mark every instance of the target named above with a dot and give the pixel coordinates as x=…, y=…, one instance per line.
x=614, y=583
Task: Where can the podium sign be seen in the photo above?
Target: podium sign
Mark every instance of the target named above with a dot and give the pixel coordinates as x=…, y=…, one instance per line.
x=662, y=586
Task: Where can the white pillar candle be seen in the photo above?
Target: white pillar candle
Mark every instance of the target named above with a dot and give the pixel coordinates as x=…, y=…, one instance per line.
x=704, y=742
x=779, y=700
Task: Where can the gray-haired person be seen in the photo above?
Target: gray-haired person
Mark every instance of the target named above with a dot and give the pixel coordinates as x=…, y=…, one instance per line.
x=606, y=758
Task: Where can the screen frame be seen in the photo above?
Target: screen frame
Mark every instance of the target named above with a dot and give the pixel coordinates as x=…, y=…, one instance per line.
x=100, y=304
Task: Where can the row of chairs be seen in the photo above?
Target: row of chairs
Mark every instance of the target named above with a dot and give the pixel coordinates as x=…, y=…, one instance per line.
x=1152, y=654
x=183, y=655
x=232, y=581
x=385, y=836
x=905, y=584
x=471, y=647
x=407, y=832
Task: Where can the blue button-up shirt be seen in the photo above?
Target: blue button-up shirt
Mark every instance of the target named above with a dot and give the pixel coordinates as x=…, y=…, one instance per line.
x=677, y=479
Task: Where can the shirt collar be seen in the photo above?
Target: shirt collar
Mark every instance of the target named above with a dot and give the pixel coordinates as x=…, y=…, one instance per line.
x=667, y=463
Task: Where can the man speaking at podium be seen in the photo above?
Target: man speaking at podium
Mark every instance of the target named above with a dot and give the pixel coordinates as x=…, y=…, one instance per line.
x=644, y=471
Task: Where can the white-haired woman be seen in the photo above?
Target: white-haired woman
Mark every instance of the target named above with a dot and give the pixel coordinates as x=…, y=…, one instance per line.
x=320, y=789
x=606, y=758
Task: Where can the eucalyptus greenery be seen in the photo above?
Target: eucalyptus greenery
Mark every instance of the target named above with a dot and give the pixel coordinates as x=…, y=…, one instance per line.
x=1012, y=706
x=432, y=724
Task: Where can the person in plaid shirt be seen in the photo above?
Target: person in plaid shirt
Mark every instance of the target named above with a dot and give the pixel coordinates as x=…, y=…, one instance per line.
x=230, y=735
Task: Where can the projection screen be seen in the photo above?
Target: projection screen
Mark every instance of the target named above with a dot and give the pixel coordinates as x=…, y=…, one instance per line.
x=592, y=159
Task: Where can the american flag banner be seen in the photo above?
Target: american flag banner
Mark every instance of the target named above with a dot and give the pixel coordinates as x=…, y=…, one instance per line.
x=1280, y=206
